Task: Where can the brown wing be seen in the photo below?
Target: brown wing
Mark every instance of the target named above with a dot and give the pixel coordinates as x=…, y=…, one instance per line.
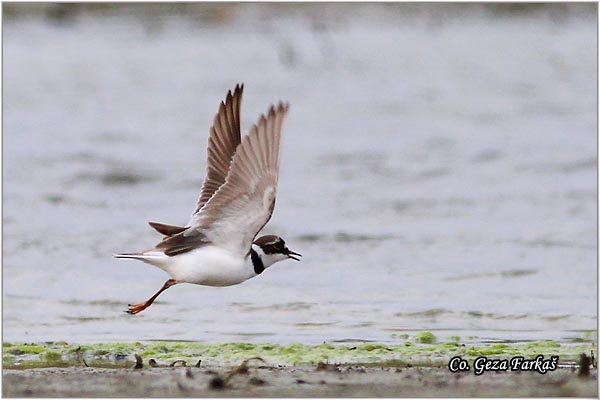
x=183, y=242
x=245, y=202
x=225, y=136
x=167, y=230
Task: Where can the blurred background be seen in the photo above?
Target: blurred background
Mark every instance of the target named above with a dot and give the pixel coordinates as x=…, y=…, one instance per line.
x=438, y=171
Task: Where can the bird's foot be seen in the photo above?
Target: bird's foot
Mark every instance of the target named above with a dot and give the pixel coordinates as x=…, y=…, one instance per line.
x=139, y=307
x=136, y=308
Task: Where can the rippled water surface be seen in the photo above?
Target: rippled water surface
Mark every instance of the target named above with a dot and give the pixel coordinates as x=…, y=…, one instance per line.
x=438, y=173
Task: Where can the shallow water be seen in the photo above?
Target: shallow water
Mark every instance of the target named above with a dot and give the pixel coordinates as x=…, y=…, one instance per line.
x=438, y=173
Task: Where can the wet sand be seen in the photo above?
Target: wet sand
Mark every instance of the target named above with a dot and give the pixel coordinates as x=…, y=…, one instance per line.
x=329, y=381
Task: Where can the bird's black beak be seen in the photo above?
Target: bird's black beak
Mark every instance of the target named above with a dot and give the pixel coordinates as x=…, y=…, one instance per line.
x=291, y=254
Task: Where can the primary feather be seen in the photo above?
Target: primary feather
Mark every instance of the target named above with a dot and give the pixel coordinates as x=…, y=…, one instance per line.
x=225, y=136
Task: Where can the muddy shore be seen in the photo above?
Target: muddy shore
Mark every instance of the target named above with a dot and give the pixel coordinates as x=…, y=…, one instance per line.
x=266, y=381
x=417, y=368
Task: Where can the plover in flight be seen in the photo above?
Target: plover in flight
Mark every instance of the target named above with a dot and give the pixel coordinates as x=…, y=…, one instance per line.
x=218, y=245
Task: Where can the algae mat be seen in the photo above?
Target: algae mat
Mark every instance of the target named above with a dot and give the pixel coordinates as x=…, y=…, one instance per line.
x=419, y=350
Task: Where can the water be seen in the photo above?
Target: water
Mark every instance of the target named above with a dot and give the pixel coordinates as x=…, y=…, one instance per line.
x=438, y=173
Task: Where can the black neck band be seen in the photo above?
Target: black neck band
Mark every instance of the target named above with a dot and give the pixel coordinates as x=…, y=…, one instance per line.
x=259, y=267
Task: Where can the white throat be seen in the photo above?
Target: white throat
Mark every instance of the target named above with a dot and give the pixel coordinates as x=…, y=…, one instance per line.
x=267, y=259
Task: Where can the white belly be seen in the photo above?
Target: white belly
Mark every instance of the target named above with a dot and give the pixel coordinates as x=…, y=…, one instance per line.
x=209, y=266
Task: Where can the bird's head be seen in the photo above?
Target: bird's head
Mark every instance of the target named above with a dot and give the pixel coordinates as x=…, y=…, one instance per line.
x=272, y=248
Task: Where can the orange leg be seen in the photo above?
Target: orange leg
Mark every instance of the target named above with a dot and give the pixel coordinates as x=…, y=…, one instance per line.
x=139, y=307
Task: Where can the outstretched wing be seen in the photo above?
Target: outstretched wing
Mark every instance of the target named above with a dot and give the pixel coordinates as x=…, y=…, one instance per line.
x=225, y=136
x=243, y=205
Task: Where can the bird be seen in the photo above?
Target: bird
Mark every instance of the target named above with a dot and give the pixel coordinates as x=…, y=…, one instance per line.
x=219, y=245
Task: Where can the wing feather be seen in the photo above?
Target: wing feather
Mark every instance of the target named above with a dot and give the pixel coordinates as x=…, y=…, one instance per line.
x=225, y=136
x=242, y=206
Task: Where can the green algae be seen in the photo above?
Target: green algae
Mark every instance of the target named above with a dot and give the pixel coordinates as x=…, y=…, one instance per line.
x=24, y=348
x=426, y=337
x=52, y=356
x=422, y=351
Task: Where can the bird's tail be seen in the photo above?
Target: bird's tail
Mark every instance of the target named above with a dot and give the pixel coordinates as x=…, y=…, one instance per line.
x=135, y=256
x=155, y=258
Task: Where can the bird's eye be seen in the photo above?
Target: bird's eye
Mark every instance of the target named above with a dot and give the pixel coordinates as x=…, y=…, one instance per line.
x=278, y=246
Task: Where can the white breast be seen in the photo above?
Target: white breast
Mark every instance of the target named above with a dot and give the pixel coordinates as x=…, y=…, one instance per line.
x=210, y=266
